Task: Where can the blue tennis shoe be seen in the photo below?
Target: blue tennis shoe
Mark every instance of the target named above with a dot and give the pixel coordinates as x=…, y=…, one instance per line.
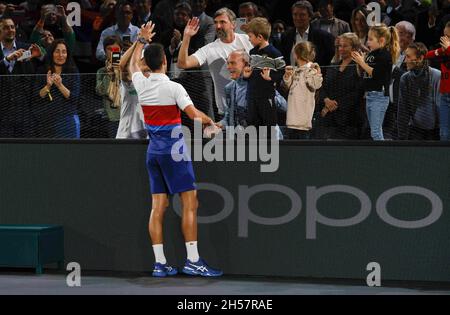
x=200, y=268
x=160, y=270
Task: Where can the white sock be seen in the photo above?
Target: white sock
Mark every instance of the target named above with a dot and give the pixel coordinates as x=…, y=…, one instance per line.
x=192, y=251
x=159, y=254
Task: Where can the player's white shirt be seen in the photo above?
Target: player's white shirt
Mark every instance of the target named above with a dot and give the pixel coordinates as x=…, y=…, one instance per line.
x=161, y=101
x=158, y=89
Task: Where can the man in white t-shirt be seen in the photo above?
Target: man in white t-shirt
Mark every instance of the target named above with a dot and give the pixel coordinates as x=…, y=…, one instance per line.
x=216, y=53
x=162, y=101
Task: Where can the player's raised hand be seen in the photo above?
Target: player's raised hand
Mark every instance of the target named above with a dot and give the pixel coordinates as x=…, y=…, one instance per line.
x=192, y=27
x=147, y=31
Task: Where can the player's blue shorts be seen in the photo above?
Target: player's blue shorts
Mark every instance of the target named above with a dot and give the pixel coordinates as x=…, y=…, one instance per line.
x=168, y=176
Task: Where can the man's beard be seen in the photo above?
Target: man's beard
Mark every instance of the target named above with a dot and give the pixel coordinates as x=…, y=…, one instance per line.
x=221, y=34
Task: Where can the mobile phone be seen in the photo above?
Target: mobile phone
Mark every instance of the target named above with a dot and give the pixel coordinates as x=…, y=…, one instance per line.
x=239, y=23
x=25, y=55
x=126, y=38
x=115, y=55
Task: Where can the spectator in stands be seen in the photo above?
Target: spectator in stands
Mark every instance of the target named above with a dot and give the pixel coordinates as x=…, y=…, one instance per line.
x=377, y=67
x=215, y=5
x=342, y=93
x=262, y=83
x=302, y=13
x=108, y=85
x=215, y=53
x=236, y=112
x=418, y=112
x=2, y=8
x=163, y=16
x=131, y=124
x=206, y=22
x=16, y=115
x=278, y=28
x=236, y=91
x=429, y=26
x=343, y=8
x=406, y=35
x=142, y=12
x=360, y=26
x=248, y=10
x=124, y=29
x=106, y=17
x=52, y=20
x=60, y=94
x=21, y=18
x=393, y=11
x=172, y=37
x=101, y=21
x=45, y=38
x=337, y=57
x=302, y=83
x=443, y=56
x=195, y=82
x=328, y=22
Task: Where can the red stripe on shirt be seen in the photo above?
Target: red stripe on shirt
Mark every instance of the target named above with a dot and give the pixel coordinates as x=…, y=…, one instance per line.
x=161, y=115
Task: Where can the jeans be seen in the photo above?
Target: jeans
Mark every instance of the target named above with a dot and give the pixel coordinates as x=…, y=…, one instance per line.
x=298, y=134
x=68, y=127
x=376, y=106
x=444, y=116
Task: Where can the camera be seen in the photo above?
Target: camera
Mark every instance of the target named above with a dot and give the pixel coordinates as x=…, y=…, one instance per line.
x=115, y=58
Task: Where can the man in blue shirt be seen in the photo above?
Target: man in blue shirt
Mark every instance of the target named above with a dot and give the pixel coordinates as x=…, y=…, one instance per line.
x=123, y=29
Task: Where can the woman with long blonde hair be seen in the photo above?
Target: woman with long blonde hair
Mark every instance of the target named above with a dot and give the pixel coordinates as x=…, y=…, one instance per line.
x=384, y=48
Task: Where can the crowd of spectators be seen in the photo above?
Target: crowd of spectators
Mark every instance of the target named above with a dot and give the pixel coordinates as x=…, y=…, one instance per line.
x=326, y=88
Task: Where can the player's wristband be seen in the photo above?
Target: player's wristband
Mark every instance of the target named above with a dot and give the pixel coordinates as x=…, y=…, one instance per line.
x=142, y=40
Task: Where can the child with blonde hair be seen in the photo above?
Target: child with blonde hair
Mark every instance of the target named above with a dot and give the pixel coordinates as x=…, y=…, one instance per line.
x=384, y=48
x=302, y=82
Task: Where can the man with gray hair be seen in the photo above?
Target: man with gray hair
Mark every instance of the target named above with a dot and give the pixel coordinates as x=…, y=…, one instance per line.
x=236, y=90
x=216, y=53
x=406, y=35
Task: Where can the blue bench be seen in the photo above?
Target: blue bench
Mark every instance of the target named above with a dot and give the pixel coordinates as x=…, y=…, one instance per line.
x=31, y=246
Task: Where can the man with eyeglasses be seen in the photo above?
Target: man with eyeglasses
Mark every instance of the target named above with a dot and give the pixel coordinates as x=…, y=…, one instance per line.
x=127, y=32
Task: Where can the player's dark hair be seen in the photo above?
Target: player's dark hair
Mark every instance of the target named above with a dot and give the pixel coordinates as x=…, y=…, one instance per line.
x=154, y=56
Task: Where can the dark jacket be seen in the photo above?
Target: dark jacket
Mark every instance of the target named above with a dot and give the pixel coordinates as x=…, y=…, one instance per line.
x=50, y=113
x=16, y=108
x=323, y=41
x=346, y=89
x=418, y=101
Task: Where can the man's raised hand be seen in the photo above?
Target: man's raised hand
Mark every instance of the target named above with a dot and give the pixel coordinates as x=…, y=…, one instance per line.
x=192, y=27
